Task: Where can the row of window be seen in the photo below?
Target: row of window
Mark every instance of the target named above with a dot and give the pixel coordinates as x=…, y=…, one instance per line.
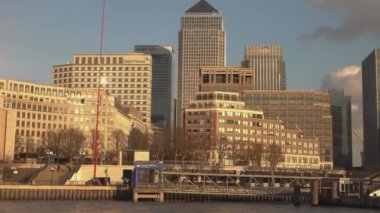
x=301, y=160
x=97, y=68
x=39, y=116
x=259, y=132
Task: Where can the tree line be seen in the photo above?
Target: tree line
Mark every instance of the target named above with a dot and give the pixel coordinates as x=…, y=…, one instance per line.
x=70, y=143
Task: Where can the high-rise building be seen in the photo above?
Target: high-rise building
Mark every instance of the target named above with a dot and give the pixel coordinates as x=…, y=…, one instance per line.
x=29, y=110
x=230, y=125
x=342, y=131
x=127, y=77
x=201, y=42
x=269, y=66
x=371, y=109
x=229, y=79
x=306, y=110
x=162, y=71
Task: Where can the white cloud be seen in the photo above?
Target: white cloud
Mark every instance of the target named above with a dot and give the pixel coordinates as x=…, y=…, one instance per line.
x=350, y=79
x=361, y=17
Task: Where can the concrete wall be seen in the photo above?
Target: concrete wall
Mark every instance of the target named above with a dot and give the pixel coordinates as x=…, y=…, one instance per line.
x=86, y=172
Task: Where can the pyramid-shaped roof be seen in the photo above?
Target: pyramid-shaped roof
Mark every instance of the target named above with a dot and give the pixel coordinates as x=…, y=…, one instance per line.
x=202, y=7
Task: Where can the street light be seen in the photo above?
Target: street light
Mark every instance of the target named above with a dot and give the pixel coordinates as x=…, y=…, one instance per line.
x=49, y=154
x=82, y=154
x=175, y=158
x=14, y=172
x=52, y=169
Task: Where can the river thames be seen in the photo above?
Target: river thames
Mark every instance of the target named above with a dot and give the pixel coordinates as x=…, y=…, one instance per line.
x=114, y=206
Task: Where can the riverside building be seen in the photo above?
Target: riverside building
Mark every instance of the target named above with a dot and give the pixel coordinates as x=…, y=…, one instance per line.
x=371, y=109
x=269, y=66
x=201, y=42
x=29, y=110
x=306, y=110
x=127, y=77
x=224, y=117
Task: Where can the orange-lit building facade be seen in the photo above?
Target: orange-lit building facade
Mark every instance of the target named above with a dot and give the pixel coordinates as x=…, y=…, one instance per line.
x=222, y=116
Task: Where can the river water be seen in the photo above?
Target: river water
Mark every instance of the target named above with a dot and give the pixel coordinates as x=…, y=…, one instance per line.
x=125, y=207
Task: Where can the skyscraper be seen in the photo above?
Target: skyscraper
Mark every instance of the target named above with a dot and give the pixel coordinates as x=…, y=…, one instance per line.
x=342, y=131
x=371, y=109
x=162, y=60
x=201, y=42
x=269, y=66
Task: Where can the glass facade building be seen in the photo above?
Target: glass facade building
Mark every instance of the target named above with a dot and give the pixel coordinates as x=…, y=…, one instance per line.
x=269, y=66
x=306, y=110
x=342, y=129
x=371, y=109
x=162, y=67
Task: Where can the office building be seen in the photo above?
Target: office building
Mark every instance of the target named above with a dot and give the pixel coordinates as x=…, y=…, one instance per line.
x=127, y=77
x=225, y=118
x=29, y=110
x=342, y=131
x=306, y=110
x=371, y=109
x=269, y=66
x=201, y=42
x=162, y=72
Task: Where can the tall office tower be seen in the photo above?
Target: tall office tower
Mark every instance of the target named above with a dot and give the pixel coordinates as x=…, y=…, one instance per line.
x=201, y=42
x=371, y=109
x=309, y=111
x=342, y=131
x=269, y=66
x=162, y=96
x=128, y=77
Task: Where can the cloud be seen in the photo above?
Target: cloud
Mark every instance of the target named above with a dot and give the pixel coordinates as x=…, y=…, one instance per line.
x=361, y=17
x=350, y=80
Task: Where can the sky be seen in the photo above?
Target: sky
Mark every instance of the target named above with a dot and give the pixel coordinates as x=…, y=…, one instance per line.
x=322, y=39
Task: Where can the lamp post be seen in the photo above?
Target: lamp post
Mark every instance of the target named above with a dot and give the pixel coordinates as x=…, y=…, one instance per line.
x=49, y=154
x=14, y=173
x=52, y=169
x=82, y=154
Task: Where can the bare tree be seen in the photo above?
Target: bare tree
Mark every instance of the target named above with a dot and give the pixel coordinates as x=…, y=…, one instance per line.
x=256, y=155
x=203, y=146
x=274, y=156
x=222, y=149
x=119, y=142
x=54, y=140
x=65, y=142
x=138, y=139
x=73, y=142
x=160, y=147
x=18, y=145
x=29, y=145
